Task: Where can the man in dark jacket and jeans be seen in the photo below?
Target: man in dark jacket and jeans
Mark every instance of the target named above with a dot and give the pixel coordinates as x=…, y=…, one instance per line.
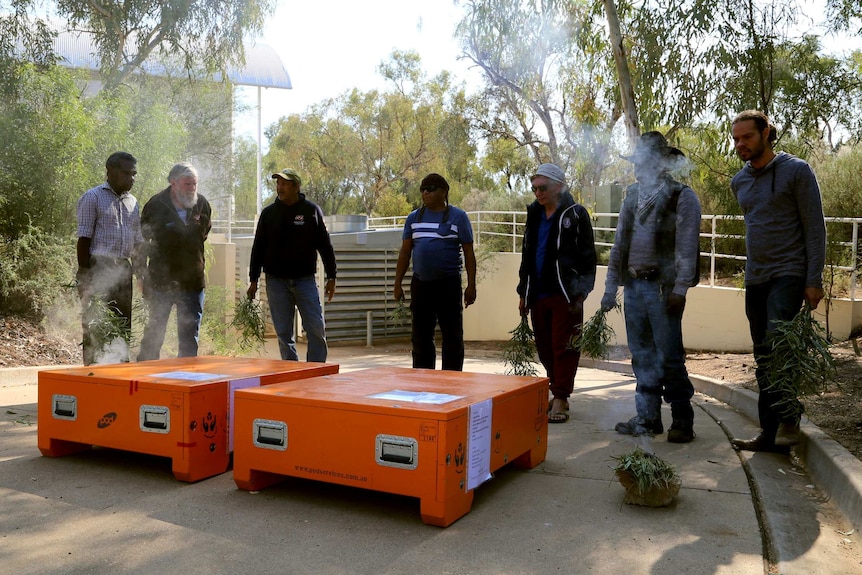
x=175, y=224
x=290, y=233
x=558, y=270
x=655, y=257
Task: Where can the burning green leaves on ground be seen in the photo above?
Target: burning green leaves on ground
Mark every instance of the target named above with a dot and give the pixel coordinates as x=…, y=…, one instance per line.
x=647, y=478
x=520, y=351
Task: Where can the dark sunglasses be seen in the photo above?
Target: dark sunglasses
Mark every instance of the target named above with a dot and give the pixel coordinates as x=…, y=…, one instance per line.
x=429, y=189
x=539, y=189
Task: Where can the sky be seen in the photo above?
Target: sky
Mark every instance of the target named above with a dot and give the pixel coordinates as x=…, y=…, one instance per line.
x=330, y=46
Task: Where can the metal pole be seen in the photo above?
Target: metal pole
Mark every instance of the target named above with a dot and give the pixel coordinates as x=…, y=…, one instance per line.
x=259, y=152
x=369, y=337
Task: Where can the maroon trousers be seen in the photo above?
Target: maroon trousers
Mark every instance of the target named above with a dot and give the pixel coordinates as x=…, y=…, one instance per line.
x=555, y=322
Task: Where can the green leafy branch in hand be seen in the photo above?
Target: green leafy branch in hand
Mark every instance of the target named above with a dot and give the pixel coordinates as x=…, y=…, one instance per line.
x=595, y=336
x=248, y=321
x=105, y=324
x=520, y=352
x=799, y=363
x=400, y=314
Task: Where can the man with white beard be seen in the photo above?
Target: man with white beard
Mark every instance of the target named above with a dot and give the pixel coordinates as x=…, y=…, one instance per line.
x=175, y=224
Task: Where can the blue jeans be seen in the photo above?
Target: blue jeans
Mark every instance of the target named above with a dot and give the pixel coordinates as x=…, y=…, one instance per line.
x=190, y=309
x=658, y=356
x=285, y=297
x=779, y=299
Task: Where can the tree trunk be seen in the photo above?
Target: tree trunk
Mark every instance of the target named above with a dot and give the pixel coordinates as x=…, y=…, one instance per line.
x=627, y=93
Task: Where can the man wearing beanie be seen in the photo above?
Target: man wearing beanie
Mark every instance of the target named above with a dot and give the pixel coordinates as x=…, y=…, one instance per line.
x=558, y=270
x=290, y=233
x=436, y=235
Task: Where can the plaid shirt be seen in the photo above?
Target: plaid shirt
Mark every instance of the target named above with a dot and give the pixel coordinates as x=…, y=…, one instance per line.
x=112, y=222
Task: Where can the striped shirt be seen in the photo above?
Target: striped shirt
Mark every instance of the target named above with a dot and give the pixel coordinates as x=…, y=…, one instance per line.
x=112, y=222
x=437, y=244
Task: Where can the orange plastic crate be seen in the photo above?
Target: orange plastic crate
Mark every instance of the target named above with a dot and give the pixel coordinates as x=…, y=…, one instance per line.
x=434, y=435
x=176, y=408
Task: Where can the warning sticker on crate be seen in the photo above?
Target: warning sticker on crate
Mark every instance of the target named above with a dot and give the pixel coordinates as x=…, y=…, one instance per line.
x=417, y=396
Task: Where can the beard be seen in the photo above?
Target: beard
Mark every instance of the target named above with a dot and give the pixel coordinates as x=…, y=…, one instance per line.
x=188, y=201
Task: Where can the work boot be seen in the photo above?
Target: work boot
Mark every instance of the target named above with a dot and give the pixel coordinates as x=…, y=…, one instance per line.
x=681, y=431
x=638, y=426
x=762, y=442
x=788, y=434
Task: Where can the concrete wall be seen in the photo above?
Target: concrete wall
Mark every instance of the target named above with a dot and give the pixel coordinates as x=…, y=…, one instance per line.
x=714, y=317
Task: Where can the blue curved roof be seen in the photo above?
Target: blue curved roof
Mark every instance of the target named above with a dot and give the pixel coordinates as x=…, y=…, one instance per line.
x=263, y=67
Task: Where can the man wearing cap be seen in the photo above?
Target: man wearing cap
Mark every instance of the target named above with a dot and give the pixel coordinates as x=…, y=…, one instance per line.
x=558, y=271
x=109, y=235
x=175, y=224
x=436, y=234
x=290, y=233
x=655, y=257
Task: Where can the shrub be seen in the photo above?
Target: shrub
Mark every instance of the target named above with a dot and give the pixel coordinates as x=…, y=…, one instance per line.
x=34, y=269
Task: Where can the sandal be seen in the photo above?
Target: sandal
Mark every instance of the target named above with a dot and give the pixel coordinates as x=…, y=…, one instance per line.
x=558, y=417
x=560, y=413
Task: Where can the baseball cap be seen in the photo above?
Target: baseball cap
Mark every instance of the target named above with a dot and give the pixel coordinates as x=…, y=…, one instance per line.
x=288, y=174
x=552, y=172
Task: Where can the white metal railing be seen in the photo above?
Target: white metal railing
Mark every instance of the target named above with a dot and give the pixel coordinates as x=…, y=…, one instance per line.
x=488, y=225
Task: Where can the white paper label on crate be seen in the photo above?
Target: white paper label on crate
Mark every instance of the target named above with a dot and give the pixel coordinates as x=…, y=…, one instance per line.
x=192, y=376
x=417, y=396
x=479, y=444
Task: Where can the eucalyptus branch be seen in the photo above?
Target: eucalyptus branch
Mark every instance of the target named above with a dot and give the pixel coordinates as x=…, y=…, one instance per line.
x=520, y=352
x=799, y=363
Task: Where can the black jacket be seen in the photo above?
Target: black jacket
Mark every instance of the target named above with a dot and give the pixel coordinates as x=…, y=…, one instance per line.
x=174, y=248
x=570, y=256
x=288, y=239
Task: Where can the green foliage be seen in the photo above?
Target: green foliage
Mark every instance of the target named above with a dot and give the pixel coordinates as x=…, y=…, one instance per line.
x=245, y=178
x=400, y=314
x=249, y=323
x=33, y=270
x=46, y=132
x=647, y=469
x=201, y=35
x=840, y=179
x=799, y=362
x=520, y=351
x=594, y=337
x=368, y=151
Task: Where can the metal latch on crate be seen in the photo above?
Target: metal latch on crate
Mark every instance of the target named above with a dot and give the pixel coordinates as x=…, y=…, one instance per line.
x=155, y=418
x=64, y=407
x=270, y=434
x=397, y=451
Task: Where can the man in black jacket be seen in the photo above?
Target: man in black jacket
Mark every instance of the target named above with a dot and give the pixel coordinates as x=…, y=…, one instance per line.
x=175, y=224
x=290, y=233
x=558, y=270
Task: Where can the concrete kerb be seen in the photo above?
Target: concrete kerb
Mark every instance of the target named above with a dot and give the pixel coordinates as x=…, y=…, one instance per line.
x=834, y=469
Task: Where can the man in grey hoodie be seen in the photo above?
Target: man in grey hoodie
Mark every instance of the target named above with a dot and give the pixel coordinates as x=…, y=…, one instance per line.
x=785, y=241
